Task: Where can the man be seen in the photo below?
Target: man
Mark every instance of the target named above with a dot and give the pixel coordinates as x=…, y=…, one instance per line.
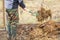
x=13, y=17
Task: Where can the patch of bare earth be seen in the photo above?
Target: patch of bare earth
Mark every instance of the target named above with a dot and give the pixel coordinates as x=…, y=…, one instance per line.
x=3, y=35
x=46, y=31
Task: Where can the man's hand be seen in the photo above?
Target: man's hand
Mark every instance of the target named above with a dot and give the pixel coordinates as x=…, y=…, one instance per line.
x=25, y=9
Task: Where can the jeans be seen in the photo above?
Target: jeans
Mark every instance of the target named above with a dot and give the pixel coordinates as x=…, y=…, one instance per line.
x=13, y=19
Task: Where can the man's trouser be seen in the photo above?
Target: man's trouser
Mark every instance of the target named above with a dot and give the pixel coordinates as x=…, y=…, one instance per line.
x=13, y=19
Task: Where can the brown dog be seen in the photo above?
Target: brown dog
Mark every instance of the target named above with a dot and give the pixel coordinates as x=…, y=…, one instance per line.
x=43, y=14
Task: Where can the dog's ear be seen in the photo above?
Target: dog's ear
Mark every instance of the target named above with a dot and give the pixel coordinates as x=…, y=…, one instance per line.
x=48, y=11
x=42, y=9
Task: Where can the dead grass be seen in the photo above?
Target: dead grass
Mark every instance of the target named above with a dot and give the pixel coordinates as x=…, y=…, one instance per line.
x=46, y=31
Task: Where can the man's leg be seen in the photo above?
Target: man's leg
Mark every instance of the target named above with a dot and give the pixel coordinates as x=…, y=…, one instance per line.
x=9, y=31
x=13, y=19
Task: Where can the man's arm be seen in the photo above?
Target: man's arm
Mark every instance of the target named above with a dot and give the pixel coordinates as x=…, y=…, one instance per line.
x=21, y=3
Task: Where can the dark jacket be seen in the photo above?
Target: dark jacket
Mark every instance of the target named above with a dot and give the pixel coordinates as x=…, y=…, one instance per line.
x=13, y=4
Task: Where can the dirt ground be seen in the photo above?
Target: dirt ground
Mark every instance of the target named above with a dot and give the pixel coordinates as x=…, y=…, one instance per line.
x=3, y=35
x=46, y=31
